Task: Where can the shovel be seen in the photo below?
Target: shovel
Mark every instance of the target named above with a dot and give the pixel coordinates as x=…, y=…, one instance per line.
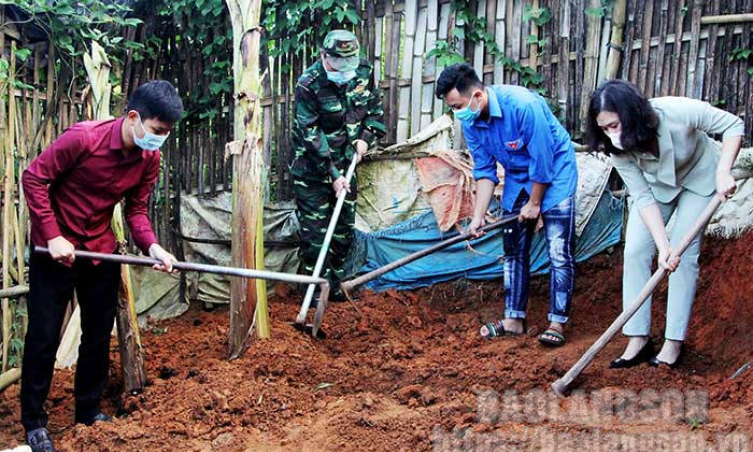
x=349, y=286
x=560, y=387
x=300, y=321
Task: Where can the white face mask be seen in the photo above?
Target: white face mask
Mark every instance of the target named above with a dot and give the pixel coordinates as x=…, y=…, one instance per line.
x=615, y=137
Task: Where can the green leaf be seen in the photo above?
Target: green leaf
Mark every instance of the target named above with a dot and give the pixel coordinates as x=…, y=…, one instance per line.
x=23, y=54
x=596, y=12
x=750, y=71
x=352, y=16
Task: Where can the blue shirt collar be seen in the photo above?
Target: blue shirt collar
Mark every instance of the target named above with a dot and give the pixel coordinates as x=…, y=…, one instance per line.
x=494, y=109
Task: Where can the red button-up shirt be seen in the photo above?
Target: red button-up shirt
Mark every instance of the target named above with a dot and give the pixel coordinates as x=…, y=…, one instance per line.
x=74, y=185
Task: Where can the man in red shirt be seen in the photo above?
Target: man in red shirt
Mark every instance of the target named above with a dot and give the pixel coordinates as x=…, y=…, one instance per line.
x=72, y=189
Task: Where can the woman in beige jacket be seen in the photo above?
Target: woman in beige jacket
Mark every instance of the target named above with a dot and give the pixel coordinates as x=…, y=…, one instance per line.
x=662, y=150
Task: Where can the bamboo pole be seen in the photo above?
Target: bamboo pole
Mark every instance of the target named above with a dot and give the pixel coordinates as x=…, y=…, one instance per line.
x=442, y=35
x=129, y=341
x=9, y=377
x=676, y=52
x=14, y=291
x=643, y=65
x=417, y=75
x=411, y=15
x=592, y=62
x=533, y=58
x=563, y=66
x=695, y=31
x=7, y=133
x=727, y=19
x=247, y=300
x=499, y=38
x=619, y=12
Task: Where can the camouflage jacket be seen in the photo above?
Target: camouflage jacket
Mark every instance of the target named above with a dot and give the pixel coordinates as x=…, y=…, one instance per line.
x=329, y=118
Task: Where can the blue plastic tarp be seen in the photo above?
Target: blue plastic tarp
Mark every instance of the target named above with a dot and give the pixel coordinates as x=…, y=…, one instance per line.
x=483, y=261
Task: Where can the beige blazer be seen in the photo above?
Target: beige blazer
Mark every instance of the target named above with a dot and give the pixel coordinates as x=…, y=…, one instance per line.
x=687, y=155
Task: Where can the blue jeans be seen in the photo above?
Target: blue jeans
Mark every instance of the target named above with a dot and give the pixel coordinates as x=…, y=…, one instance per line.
x=559, y=227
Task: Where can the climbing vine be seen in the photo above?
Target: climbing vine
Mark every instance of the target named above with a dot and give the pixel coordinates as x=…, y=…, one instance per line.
x=743, y=54
x=474, y=31
x=292, y=26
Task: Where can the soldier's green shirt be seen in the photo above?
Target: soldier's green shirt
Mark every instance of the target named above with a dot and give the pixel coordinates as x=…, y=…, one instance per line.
x=329, y=118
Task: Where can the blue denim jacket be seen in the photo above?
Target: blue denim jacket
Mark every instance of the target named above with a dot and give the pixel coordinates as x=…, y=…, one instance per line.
x=523, y=135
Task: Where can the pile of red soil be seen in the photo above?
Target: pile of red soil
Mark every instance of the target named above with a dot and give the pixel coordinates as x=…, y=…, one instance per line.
x=405, y=367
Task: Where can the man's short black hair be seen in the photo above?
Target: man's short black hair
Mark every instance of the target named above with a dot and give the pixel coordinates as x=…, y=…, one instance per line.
x=157, y=99
x=460, y=76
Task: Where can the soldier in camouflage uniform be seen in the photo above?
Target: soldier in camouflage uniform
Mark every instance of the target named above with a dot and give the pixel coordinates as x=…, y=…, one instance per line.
x=337, y=114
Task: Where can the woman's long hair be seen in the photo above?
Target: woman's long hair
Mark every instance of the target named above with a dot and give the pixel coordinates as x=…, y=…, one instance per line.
x=640, y=123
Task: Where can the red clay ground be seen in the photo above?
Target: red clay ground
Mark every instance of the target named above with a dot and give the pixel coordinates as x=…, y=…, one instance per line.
x=408, y=370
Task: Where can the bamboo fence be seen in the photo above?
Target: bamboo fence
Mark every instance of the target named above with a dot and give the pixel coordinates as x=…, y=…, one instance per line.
x=666, y=47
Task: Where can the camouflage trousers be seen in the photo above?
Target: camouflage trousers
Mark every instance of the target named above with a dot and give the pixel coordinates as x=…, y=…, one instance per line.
x=316, y=202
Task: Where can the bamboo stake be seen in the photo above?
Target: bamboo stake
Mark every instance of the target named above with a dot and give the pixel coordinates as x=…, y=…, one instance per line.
x=712, y=75
x=591, y=63
x=563, y=69
x=619, y=11
x=658, y=76
x=416, y=79
x=7, y=145
x=129, y=341
x=514, y=29
x=14, y=291
x=648, y=15
x=727, y=19
x=533, y=59
x=499, y=39
x=246, y=299
x=442, y=35
x=411, y=15
x=675, y=74
x=695, y=31
x=9, y=377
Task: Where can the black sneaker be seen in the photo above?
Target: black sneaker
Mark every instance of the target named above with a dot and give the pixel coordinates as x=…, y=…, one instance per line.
x=39, y=440
x=100, y=417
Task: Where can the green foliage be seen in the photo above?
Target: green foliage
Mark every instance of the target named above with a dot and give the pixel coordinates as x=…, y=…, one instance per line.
x=72, y=24
x=539, y=16
x=17, y=341
x=445, y=54
x=291, y=24
x=742, y=54
x=197, y=26
x=601, y=10
x=474, y=30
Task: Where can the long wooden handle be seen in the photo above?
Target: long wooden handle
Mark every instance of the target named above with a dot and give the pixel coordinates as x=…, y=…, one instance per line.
x=190, y=266
x=560, y=386
x=348, y=286
x=301, y=319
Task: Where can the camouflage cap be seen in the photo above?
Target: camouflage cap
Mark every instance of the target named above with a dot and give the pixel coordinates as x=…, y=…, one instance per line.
x=341, y=43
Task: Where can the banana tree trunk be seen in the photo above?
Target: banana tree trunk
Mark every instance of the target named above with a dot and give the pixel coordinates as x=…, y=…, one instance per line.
x=248, y=299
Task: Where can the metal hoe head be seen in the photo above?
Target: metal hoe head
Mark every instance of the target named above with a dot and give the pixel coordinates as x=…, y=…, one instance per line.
x=315, y=328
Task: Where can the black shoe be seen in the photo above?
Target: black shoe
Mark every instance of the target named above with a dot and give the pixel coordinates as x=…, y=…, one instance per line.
x=100, y=417
x=644, y=354
x=39, y=440
x=656, y=362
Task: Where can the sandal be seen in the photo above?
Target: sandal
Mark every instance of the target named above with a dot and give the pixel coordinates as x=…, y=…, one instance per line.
x=552, y=338
x=497, y=329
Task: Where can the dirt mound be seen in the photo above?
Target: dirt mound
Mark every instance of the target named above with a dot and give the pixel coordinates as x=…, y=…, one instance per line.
x=408, y=368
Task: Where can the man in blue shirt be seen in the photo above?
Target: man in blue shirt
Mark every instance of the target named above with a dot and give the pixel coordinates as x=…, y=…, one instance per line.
x=514, y=126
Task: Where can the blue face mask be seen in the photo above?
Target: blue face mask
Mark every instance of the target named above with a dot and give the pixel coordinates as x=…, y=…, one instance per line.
x=150, y=141
x=340, y=78
x=466, y=114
